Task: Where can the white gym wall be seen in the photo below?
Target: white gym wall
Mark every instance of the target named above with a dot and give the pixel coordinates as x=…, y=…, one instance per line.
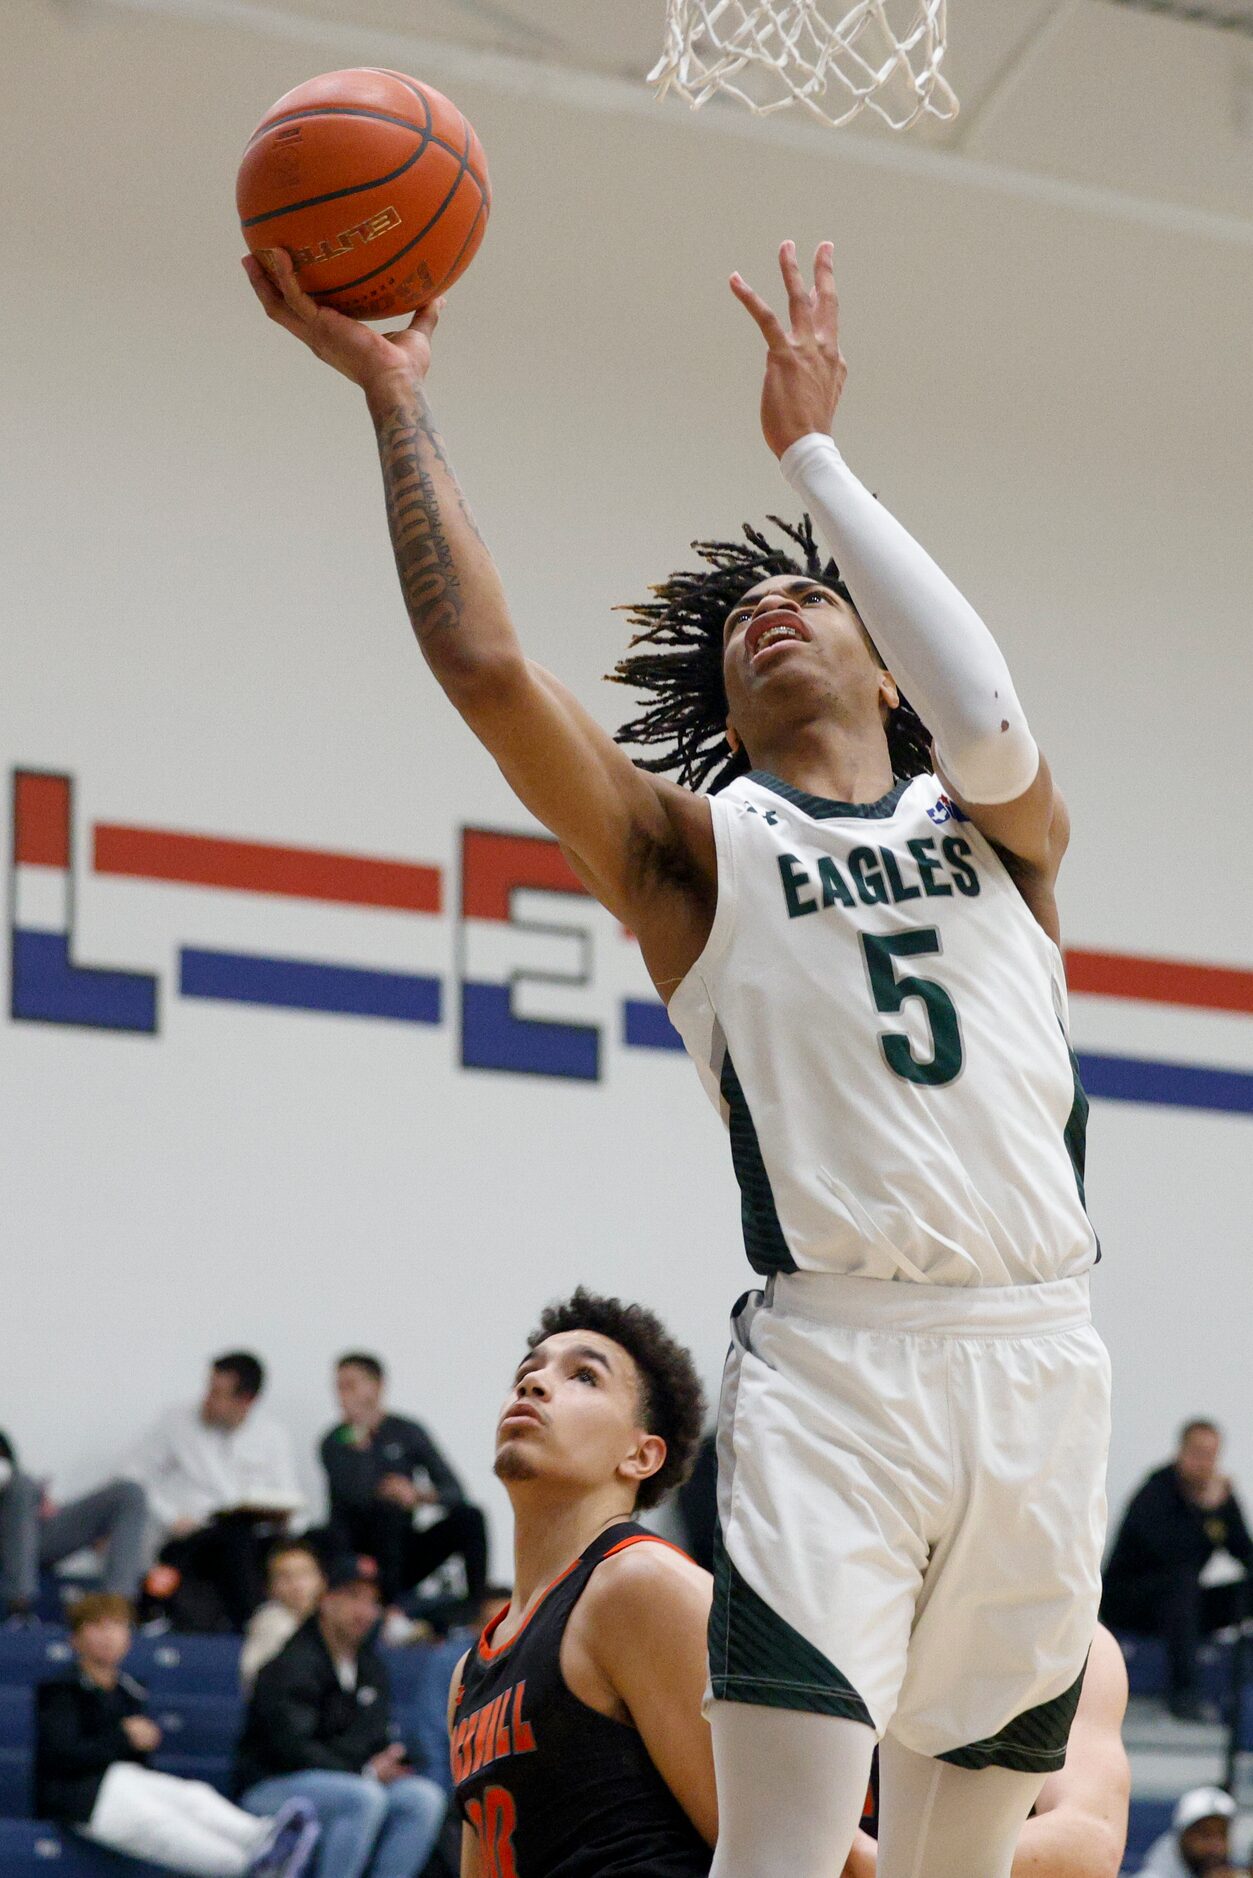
x=1049, y=382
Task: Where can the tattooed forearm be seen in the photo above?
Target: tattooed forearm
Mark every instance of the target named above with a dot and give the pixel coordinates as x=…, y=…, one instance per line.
x=409, y=450
x=437, y=444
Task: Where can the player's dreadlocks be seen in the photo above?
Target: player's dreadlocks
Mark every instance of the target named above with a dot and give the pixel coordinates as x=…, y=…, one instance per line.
x=681, y=668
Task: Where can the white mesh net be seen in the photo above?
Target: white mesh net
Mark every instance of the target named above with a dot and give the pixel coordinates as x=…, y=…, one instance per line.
x=884, y=55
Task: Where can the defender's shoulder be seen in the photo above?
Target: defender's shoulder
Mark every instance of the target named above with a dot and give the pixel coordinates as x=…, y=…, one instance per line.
x=644, y=1578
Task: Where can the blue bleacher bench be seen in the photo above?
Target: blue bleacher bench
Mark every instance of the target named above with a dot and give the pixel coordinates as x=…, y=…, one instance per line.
x=193, y=1688
x=1149, y=1820
x=30, y=1848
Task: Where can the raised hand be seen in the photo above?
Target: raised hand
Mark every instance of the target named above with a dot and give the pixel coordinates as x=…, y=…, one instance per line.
x=805, y=369
x=369, y=358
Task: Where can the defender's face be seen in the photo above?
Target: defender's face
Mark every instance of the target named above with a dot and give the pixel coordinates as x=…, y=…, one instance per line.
x=573, y=1413
x=788, y=634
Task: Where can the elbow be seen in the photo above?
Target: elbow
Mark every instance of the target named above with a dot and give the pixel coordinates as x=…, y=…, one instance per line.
x=478, y=684
x=1107, y=1852
x=990, y=768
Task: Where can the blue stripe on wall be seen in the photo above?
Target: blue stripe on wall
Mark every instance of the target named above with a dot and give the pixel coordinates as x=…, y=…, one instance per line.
x=297, y=984
x=493, y=1037
x=646, y=1026
x=1174, y=1085
x=48, y=988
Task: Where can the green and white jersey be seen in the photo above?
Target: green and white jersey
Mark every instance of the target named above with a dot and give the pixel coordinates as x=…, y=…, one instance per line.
x=883, y=1026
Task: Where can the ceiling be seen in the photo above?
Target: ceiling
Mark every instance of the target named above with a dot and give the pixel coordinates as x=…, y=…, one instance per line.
x=1116, y=95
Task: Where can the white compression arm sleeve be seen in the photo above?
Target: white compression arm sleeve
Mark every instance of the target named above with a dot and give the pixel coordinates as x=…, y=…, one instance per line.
x=937, y=648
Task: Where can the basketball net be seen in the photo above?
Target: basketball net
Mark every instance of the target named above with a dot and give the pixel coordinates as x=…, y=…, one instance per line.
x=771, y=54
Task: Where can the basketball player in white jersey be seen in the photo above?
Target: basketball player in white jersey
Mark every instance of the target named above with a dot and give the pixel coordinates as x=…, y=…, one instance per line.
x=1079, y=1826
x=857, y=940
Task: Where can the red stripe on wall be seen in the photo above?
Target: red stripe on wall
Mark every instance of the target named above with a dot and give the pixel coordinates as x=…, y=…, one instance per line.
x=257, y=867
x=41, y=819
x=493, y=866
x=1160, y=981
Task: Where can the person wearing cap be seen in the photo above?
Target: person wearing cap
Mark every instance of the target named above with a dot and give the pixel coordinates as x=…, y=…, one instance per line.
x=319, y=1728
x=1199, y=1840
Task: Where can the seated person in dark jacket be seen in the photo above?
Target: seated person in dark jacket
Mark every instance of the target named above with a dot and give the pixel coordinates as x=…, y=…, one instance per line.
x=370, y=1462
x=1177, y=1521
x=93, y=1743
x=319, y=1728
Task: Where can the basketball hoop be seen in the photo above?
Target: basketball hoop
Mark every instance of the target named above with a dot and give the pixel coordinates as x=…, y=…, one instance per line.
x=771, y=54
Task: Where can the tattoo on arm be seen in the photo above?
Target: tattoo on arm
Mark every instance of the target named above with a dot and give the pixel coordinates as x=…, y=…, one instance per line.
x=409, y=448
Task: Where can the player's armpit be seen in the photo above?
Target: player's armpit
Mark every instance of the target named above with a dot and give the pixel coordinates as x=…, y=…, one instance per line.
x=641, y=845
x=647, y=1612
x=1032, y=834
x=1034, y=828
x=454, y=1691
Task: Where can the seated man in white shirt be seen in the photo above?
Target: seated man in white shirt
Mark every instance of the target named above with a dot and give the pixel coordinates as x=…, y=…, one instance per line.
x=220, y=1477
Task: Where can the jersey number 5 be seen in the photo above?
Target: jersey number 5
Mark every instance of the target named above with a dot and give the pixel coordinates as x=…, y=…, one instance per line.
x=890, y=992
x=494, y=1819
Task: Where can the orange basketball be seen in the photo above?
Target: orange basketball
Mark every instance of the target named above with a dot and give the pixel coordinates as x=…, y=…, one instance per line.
x=375, y=184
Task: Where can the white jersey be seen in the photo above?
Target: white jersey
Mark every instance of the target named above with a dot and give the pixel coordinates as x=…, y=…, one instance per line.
x=883, y=1026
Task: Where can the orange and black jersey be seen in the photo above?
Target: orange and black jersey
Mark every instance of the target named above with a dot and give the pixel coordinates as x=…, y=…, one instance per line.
x=552, y=1788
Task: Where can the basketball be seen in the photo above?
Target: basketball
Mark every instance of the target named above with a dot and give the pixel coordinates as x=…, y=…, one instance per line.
x=375, y=184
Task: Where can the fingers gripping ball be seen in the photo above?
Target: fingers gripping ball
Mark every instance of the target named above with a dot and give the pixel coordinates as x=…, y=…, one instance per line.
x=375, y=184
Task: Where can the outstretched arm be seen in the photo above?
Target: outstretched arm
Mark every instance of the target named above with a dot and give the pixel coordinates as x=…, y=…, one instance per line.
x=939, y=650
x=642, y=846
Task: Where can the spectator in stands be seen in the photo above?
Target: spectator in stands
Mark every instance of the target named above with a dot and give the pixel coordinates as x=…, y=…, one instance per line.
x=1199, y=1841
x=371, y=1460
x=295, y=1581
x=1180, y=1527
x=220, y=1477
x=92, y=1750
x=35, y=1533
x=319, y=1727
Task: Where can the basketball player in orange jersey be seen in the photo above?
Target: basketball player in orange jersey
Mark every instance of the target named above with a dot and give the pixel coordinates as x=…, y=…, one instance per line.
x=577, y=1741
x=856, y=934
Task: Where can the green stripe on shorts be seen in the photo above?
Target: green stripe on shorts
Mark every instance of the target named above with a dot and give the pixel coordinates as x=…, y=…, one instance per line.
x=1033, y=1743
x=756, y=1656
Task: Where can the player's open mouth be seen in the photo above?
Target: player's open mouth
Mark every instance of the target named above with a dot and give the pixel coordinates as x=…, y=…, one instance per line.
x=780, y=628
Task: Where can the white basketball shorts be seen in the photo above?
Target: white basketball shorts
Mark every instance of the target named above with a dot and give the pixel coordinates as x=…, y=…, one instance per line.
x=911, y=1504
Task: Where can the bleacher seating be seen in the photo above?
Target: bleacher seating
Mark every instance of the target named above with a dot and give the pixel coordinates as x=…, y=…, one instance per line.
x=193, y=1685
x=31, y=1849
x=1149, y=1819
x=1145, y=1658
